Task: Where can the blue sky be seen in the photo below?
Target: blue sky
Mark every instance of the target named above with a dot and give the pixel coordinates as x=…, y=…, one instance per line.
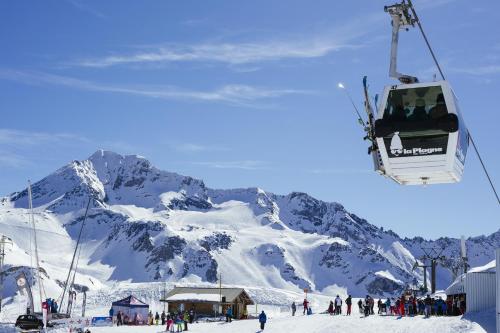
x=243, y=93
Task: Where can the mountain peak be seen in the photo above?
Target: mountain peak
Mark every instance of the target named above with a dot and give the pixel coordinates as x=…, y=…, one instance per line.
x=108, y=156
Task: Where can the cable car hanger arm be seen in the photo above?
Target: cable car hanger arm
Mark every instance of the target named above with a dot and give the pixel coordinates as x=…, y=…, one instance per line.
x=401, y=19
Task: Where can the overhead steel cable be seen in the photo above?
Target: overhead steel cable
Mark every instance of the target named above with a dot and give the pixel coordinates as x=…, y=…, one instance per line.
x=66, y=285
x=484, y=168
x=425, y=38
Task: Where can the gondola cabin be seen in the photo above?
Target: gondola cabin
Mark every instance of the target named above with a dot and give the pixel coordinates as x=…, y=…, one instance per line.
x=420, y=134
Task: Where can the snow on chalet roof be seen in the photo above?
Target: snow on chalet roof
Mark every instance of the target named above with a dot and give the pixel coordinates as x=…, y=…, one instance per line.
x=207, y=294
x=194, y=297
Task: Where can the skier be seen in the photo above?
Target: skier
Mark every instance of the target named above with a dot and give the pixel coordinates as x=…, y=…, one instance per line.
x=186, y=320
x=402, y=306
x=191, y=315
x=379, y=306
x=427, y=303
x=330, y=308
x=170, y=322
x=178, y=321
x=150, y=318
x=338, y=305
x=449, y=306
x=163, y=318
x=294, y=308
x=157, y=318
x=262, y=319
x=111, y=314
x=305, y=304
x=360, y=306
x=388, y=306
x=245, y=313
x=119, y=319
x=366, y=304
x=444, y=306
x=229, y=314
x=348, y=302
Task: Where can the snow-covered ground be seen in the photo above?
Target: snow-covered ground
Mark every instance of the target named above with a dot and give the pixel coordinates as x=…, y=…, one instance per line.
x=320, y=323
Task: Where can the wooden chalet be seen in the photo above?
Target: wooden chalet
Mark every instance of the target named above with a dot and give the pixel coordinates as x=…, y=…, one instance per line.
x=206, y=301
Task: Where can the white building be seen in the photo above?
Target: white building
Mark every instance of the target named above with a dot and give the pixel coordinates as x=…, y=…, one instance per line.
x=479, y=287
x=498, y=291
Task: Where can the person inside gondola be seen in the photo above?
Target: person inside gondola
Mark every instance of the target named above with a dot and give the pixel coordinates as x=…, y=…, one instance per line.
x=419, y=113
x=439, y=109
x=396, y=110
x=398, y=114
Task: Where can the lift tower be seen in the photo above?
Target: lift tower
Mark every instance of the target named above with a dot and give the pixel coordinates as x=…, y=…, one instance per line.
x=4, y=240
x=433, y=255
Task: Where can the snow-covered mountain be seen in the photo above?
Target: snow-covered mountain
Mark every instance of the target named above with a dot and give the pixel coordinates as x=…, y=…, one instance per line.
x=146, y=224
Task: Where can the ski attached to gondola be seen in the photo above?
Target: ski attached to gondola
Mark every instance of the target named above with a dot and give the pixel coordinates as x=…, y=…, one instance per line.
x=370, y=129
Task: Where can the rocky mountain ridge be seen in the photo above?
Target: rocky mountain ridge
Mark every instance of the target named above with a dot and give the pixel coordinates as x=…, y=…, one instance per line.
x=146, y=224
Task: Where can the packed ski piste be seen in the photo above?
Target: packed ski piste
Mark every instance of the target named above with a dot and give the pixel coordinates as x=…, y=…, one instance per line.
x=77, y=247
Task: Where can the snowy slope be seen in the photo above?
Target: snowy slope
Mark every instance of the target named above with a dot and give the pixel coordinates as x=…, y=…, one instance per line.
x=323, y=323
x=145, y=225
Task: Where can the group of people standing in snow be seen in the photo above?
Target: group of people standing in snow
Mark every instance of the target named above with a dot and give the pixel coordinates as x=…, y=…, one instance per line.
x=305, y=305
x=335, y=307
x=406, y=305
x=179, y=320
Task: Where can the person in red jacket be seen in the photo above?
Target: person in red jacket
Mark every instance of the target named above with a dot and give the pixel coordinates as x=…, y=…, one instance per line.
x=330, y=308
x=306, y=306
x=402, y=306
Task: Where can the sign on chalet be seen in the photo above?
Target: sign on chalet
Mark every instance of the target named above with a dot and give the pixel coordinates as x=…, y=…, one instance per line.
x=206, y=301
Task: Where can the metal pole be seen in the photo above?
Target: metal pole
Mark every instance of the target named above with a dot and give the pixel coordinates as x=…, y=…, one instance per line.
x=165, y=296
x=498, y=289
x=2, y=255
x=425, y=278
x=433, y=276
x=36, y=244
x=220, y=292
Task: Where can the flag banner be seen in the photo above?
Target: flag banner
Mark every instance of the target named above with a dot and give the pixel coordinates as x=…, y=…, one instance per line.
x=25, y=289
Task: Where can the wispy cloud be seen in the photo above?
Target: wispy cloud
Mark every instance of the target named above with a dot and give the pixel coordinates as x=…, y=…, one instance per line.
x=20, y=148
x=479, y=70
x=430, y=4
x=243, y=165
x=343, y=36
x=236, y=94
x=194, y=148
x=350, y=34
x=85, y=8
x=12, y=160
x=230, y=53
x=195, y=22
x=18, y=137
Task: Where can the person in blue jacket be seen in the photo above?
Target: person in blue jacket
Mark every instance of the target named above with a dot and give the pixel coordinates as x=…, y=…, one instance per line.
x=229, y=314
x=262, y=319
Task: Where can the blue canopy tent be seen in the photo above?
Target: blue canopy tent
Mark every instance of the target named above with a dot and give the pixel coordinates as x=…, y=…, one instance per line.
x=134, y=311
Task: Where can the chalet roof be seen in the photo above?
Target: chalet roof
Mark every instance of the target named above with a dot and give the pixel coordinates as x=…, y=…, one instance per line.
x=210, y=295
